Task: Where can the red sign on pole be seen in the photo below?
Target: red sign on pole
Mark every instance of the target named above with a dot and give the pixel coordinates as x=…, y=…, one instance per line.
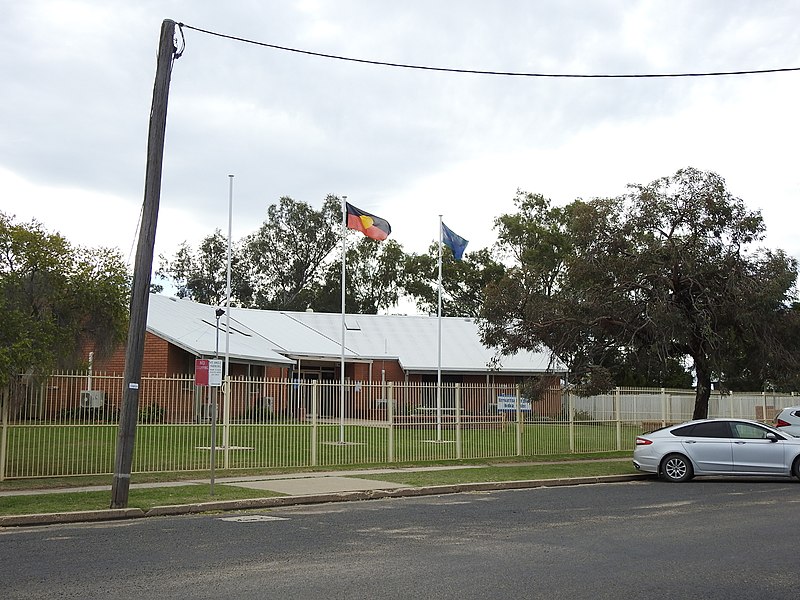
x=208, y=372
x=201, y=371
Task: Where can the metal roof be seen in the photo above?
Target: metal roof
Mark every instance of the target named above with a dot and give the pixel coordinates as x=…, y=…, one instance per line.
x=192, y=326
x=275, y=336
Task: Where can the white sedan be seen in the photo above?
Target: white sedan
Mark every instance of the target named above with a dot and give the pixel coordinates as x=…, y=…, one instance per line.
x=788, y=420
x=717, y=447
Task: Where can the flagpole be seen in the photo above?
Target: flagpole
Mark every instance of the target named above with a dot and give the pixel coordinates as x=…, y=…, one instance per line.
x=344, y=329
x=227, y=394
x=439, y=363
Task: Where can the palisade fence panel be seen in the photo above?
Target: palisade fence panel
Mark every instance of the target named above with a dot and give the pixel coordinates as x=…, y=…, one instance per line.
x=666, y=406
x=67, y=423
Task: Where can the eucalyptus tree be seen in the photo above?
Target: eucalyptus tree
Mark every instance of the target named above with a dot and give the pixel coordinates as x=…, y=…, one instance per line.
x=670, y=270
x=463, y=281
x=286, y=256
x=201, y=274
x=279, y=266
x=374, y=272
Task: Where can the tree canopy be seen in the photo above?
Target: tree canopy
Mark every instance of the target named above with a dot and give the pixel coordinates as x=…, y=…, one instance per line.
x=54, y=296
x=665, y=273
x=285, y=257
x=280, y=266
x=463, y=281
x=374, y=272
x=202, y=274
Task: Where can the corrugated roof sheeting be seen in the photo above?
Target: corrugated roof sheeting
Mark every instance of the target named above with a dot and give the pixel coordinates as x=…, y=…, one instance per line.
x=192, y=326
x=413, y=339
x=270, y=336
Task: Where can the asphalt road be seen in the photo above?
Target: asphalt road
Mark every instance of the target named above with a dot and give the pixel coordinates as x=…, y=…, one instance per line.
x=706, y=539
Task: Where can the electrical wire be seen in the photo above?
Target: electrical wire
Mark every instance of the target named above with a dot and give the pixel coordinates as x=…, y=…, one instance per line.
x=480, y=72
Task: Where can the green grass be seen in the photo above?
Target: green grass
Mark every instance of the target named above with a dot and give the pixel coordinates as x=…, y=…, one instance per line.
x=509, y=473
x=52, y=451
x=45, y=483
x=144, y=498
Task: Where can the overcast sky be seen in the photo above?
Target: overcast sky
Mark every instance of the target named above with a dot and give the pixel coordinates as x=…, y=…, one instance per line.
x=77, y=79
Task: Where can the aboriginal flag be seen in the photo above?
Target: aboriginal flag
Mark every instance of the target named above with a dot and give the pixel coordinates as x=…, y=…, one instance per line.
x=370, y=225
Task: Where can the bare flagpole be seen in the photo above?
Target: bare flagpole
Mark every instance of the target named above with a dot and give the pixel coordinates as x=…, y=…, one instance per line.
x=344, y=328
x=227, y=398
x=439, y=363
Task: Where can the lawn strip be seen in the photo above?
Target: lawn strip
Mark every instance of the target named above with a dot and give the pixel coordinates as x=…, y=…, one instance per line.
x=144, y=498
x=506, y=473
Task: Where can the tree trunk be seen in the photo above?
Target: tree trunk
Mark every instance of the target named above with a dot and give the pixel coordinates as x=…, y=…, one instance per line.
x=703, y=393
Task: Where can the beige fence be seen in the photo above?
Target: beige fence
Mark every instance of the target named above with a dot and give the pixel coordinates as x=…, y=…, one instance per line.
x=66, y=424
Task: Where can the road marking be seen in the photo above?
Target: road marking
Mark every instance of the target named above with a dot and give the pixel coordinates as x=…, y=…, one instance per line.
x=253, y=519
x=666, y=504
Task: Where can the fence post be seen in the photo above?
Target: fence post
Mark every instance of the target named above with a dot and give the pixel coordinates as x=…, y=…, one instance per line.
x=226, y=419
x=618, y=417
x=314, y=392
x=42, y=399
x=571, y=411
x=458, y=420
x=764, y=406
x=663, y=407
x=5, y=398
x=518, y=406
x=730, y=404
x=390, y=416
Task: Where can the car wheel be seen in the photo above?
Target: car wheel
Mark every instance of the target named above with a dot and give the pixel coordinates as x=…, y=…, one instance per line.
x=677, y=468
x=796, y=467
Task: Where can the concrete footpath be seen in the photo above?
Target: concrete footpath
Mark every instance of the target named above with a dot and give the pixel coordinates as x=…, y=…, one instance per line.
x=298, y=488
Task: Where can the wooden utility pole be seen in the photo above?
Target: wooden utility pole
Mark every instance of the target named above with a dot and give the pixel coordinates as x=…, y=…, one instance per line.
x=142, y=269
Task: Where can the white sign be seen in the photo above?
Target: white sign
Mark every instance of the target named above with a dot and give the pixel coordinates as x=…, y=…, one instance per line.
x=215, y=372
x=509, y=402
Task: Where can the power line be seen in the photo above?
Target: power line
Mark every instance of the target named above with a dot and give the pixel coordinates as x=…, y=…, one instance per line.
x=480, y=72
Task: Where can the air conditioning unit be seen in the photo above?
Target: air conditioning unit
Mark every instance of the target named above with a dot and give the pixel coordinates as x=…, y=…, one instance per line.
x=92, y=398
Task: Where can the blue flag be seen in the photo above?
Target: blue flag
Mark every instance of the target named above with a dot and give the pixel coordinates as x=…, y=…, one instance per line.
x=453, y=241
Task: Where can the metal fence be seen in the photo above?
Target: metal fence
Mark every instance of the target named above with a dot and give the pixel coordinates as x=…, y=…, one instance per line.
x=66, y=424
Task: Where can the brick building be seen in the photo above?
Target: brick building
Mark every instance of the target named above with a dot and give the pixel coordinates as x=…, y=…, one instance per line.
x=307, y=346
x=278, y=344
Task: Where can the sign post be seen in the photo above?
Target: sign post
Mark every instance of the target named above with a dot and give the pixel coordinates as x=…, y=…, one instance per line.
x=209, y=373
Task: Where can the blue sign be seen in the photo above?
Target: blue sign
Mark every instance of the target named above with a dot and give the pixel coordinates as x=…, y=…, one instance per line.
x=508, y=402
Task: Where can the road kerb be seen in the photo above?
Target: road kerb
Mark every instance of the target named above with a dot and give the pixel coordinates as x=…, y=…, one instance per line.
x=85, y=516
x=283, y=501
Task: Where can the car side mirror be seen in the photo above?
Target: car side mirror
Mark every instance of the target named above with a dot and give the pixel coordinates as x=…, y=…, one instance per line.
x=772, y=437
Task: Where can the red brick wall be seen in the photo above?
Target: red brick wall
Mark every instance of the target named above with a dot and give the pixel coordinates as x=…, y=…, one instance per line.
x=114, y=364
x=394, y=371
x=275, y=372
x=160, y=357
x=179, y=362
x=358, y=371
x=361, y=371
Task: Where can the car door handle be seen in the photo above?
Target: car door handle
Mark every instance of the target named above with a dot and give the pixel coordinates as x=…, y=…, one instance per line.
x=691, y=442
x=739, y=442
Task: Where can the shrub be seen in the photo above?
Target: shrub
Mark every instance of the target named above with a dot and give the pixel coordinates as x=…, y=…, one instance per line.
x=95, y=414
x=151, y=413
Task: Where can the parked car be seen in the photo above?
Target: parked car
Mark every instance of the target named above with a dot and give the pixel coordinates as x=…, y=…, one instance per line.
x=788, y=420
x=717, y=447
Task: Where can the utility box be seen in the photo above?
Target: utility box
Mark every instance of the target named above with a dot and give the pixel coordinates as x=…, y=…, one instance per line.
x=92, y=398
